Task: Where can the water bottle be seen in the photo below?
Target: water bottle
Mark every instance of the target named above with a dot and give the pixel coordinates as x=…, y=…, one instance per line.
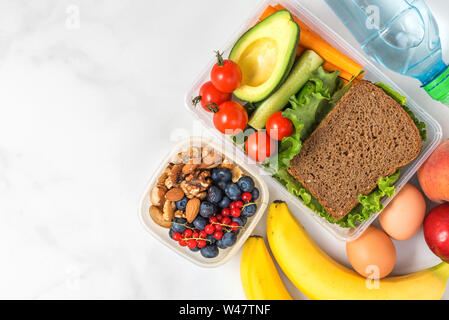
x=401, y=35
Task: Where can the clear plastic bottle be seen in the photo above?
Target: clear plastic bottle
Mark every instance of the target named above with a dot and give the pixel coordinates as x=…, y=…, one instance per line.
x=402, y=35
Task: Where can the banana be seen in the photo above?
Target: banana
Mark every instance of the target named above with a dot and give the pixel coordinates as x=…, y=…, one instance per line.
x=318, y=276
x=260, y=278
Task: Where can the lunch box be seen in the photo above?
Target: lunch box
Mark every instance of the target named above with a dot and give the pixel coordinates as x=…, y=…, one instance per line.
x=161, y=233
x=372, y=73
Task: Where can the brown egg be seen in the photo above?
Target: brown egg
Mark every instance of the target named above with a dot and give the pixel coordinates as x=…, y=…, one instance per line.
x=373, y=254
x=404, y=215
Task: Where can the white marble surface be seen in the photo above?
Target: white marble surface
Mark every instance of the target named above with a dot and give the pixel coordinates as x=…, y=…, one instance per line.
x=91, y=98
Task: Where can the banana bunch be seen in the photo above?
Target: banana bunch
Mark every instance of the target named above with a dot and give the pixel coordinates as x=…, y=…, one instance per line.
x=316, y=274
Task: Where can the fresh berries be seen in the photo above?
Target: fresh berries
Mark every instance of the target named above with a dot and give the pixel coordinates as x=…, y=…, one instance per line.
x=221, y=174
x=202, y=243
x=218, y=235
x=226, y=212
x=207, y=209
x=181, y=204
x=235, y=212
x=176, y=236
x=234, y=226
x=221, y=215
x=255, y=194
x=239, y=204
x=247, y=196
x=187, y=233
x=246, y=184
x=249, y=210
x=192, y=243
x=210, y=229
x=233, y=192
x=214, y=194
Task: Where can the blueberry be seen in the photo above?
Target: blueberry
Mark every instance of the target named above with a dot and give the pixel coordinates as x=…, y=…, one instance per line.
x=170, y=233
x=200, y=223
x=246, y=184
x=222, y=184
x=209, y=251
x=229, y=238
x=255, y=194
x=225, y=202
x=221, y=174
x=240, y=220
x=211, y=239
x=220, y=244
x=181, y=204
x=196, y=249
x=249, y=210
x=233, y=192
x=214, y=194
x=177, y=225
x=207, y=209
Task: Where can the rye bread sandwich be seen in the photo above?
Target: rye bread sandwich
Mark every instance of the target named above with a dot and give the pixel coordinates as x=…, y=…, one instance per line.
x=368, y=135
x=349, y=144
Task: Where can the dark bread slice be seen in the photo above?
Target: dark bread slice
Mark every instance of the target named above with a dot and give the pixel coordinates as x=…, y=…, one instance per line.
x=368, y=135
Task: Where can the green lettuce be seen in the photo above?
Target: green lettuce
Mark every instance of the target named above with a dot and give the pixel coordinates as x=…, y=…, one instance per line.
x=302, y=112
x=368, y=204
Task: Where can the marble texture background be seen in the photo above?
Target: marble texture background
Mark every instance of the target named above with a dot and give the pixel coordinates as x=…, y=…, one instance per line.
x=91, y=98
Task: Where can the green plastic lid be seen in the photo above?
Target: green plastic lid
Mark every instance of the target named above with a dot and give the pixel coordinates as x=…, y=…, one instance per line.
x=438, y=88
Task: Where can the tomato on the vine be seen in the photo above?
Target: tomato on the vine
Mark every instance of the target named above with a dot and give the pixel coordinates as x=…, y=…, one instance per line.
x=279, y=127
x=226, y=74
x=230, y=117
x=209, y=94
x=259, y=146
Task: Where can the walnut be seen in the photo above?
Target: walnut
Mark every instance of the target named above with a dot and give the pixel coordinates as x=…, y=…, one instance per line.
x=179, y=214
x=196, y=184
x=174, y=176
x=191, y=191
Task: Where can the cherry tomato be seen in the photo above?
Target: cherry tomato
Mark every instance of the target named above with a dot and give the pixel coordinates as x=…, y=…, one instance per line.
x=226, y=75
x=230, y=117
x=279, y=127
x=210, y=95
x=259, y=146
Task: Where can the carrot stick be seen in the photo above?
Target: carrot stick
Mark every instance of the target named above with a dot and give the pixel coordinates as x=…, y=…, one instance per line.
x=309, y=39
x=300, y=50
x=329, y=67
x=268, y=12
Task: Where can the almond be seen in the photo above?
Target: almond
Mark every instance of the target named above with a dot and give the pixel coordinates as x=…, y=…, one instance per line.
x=189, y=167
x=192, y=209
x=174, y=194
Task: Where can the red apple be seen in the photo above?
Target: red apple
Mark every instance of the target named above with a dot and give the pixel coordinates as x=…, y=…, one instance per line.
x=436, y=231
x=434, y=174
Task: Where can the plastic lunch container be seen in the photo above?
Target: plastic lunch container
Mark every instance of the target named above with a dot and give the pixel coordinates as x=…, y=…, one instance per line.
x=161, y=233
x=372, y=73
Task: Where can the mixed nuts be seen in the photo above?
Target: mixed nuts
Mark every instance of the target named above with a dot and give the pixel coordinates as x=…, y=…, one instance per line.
x=204, y=199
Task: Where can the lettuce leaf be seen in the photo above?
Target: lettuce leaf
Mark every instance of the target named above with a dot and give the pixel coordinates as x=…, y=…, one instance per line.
x=367, y=206
x=311, y=99
x=304, y=108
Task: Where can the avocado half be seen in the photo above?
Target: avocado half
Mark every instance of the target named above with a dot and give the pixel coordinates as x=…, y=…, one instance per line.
x=265, y=54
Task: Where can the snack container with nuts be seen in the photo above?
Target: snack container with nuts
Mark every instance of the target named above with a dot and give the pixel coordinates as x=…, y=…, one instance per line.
x=180, y=174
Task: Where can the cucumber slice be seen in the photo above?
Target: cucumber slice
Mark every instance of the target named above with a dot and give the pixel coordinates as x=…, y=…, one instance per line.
x=300, y=73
